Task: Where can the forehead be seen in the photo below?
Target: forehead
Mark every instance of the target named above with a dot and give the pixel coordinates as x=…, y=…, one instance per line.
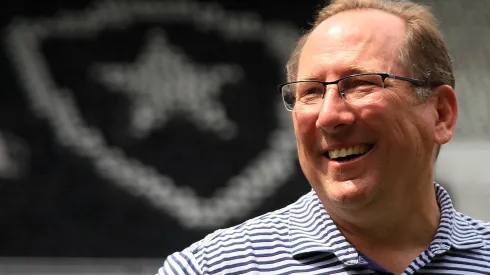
x=353, y=39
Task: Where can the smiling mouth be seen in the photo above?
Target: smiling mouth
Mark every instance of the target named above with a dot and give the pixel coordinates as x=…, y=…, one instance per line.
x=349, y=153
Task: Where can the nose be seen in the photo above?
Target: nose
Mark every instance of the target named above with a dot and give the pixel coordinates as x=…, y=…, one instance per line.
x=335, y=115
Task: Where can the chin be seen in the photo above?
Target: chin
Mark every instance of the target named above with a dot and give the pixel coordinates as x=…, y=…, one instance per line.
x=349, y=194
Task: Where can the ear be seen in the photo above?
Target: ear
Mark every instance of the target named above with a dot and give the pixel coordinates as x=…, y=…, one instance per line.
x=447, y=112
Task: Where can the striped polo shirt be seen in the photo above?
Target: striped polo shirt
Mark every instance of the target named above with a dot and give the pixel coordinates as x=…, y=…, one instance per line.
x=302, y=239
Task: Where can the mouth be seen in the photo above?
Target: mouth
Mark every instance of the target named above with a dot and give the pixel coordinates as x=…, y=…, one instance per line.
x=348, y=153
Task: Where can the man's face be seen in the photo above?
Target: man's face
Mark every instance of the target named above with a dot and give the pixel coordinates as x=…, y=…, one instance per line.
x=398, y=131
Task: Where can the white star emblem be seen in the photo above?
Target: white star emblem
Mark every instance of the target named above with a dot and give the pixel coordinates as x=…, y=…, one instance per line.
x=163, y=82
x=174, y=94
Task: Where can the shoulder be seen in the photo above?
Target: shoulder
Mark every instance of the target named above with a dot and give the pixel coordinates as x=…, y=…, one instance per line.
x=470, y=246
x=482, y=228
x=238, y=246
x=261, y=229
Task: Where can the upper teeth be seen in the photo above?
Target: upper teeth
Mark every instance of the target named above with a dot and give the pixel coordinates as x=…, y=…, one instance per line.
x=339, y=153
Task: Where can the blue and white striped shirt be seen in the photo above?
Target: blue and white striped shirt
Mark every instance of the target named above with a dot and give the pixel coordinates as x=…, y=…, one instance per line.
x=302, y=239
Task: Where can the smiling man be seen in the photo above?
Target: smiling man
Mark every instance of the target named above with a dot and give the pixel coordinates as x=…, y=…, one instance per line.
x=371, y=93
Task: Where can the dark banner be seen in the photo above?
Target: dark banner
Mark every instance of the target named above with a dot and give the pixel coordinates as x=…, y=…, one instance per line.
x=133, y=128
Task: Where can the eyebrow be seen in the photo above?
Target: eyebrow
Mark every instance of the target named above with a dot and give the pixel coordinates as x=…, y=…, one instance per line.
x=309, y=78
x=356, y=69
x=350, y=70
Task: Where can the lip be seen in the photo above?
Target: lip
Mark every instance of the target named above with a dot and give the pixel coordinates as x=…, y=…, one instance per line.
x=344, y=164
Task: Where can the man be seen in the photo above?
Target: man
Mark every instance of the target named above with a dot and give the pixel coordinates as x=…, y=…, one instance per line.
x=371, y=93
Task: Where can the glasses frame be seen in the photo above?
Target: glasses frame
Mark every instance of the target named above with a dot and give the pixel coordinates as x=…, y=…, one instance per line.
x=384, y=76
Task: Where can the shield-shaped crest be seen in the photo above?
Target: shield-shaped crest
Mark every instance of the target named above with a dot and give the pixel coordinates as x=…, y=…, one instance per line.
x=149, y=86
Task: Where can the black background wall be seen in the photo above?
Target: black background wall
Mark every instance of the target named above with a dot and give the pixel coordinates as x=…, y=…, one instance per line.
x=57, y=199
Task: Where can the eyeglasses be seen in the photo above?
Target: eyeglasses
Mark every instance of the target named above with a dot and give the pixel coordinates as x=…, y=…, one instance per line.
x=358, y=89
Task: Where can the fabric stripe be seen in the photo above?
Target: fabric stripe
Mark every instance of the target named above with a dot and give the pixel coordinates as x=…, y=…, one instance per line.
x=302, y=239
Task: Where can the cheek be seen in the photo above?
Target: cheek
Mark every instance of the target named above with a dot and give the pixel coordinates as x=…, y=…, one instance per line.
x=304, y=126
x=305, y=131
x=424, y=124
x=393, y=123
x=406, y=128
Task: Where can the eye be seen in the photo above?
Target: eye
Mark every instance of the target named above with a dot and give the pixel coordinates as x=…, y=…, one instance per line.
x=310, y=89
x=360, y=82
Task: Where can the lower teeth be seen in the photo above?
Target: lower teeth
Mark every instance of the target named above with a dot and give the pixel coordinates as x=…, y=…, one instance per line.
x=348, y=157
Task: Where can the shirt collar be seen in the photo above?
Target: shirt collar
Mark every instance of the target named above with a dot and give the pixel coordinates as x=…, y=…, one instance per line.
x=311, y=230
x=455, y=230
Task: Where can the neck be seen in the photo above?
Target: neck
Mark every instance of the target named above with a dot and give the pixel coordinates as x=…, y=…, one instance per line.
x=404, y=222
